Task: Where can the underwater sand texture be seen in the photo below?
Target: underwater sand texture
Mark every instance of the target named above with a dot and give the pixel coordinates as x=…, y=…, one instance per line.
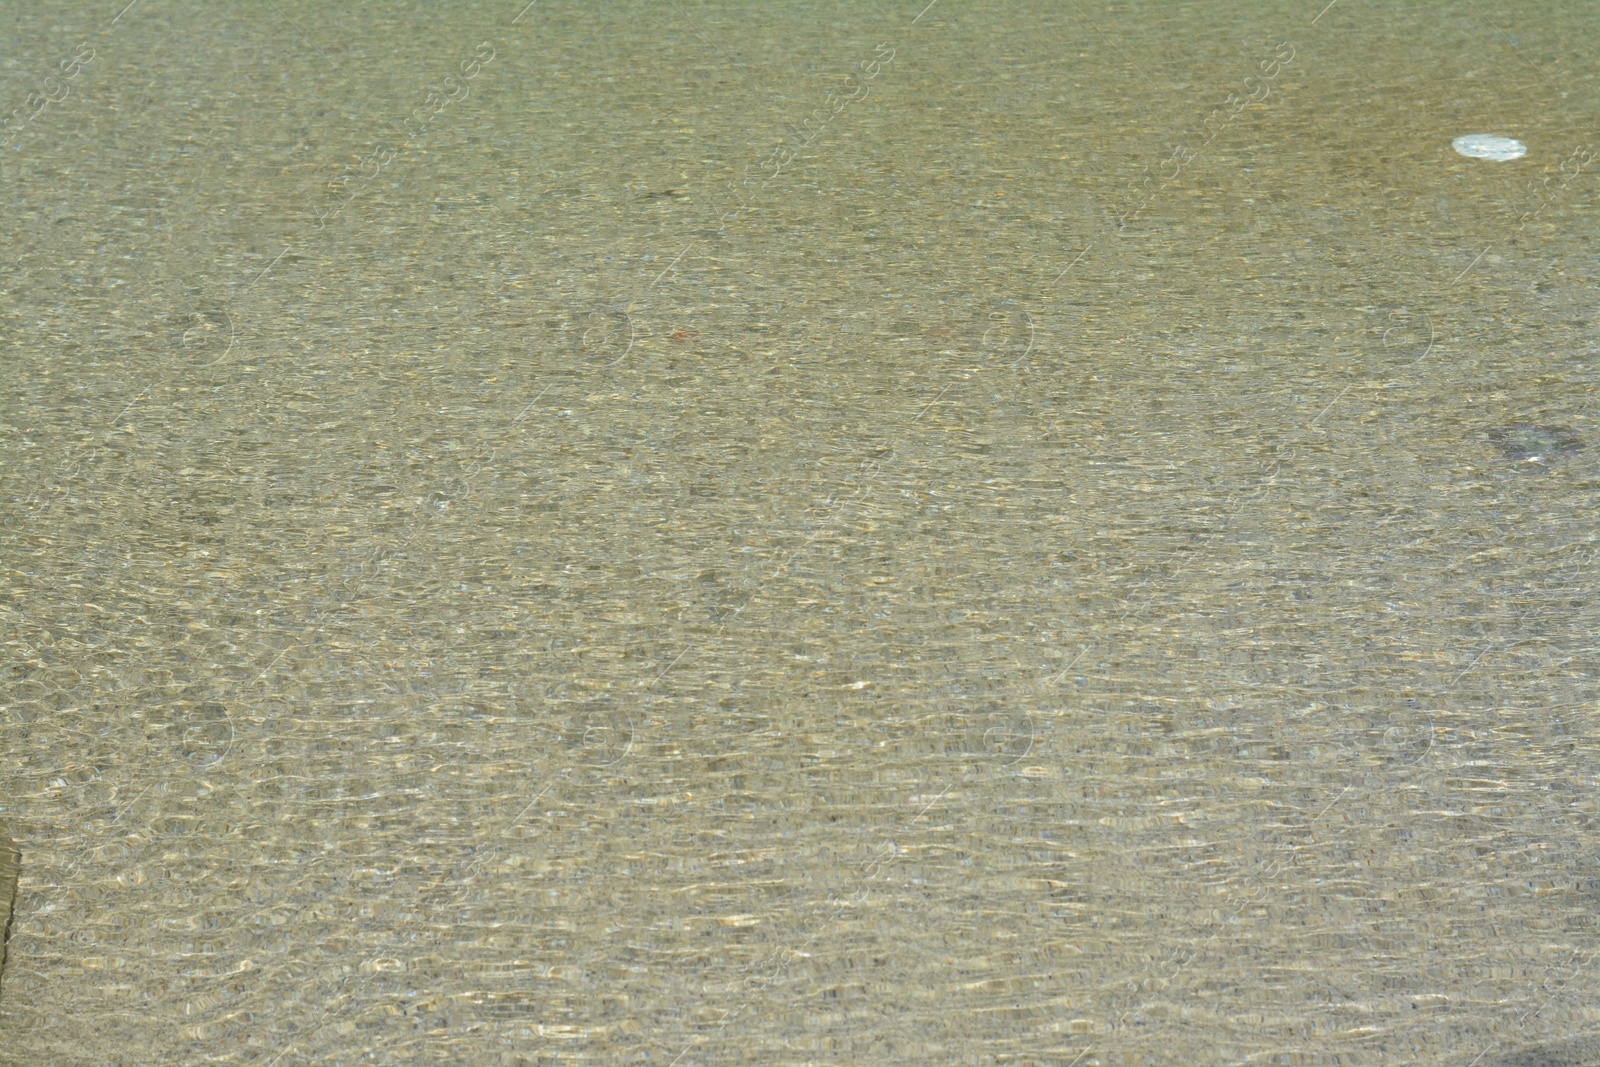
x=1023, y=580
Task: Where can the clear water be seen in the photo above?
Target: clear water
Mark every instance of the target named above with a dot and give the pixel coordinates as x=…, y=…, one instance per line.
x=800, y=533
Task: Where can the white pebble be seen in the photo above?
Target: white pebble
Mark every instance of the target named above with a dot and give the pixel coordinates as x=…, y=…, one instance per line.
x=1489, y=146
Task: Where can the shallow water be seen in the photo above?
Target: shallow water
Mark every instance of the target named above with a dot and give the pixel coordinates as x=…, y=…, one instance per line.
x=566, y=534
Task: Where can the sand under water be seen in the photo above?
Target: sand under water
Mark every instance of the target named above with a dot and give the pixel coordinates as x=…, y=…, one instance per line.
x=680, y=533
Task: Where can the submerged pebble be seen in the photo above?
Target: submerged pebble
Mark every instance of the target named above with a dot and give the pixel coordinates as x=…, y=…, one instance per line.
x=1489, y=146
x=1537, y=446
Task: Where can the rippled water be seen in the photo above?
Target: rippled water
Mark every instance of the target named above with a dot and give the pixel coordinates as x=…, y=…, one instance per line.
x=685, y=534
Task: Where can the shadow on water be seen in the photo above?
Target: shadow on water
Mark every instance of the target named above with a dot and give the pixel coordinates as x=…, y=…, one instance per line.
x=1581, y=1052
x=10, y=862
